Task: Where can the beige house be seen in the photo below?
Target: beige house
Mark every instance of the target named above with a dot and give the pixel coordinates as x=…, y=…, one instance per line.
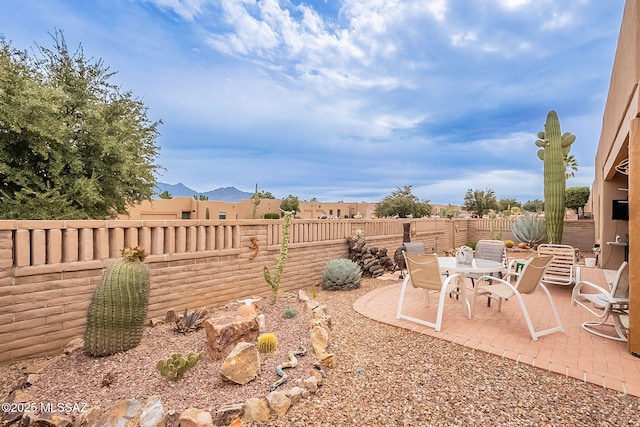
x=616, y=191
x=190, y=208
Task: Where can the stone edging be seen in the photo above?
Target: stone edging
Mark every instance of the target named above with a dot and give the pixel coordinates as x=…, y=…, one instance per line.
x=260, y=410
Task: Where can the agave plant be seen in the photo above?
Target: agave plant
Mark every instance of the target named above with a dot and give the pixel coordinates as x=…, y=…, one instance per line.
x=190, y=321
x=529, y=229
x=341, y=274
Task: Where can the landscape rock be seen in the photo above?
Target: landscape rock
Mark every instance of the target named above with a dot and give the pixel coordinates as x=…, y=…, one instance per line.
x=10, y=418
x=87, y=417
x=194, y=417
x=73, y=345
x=302, y=296
x=225, y=331
x=296, y=394
x=242, y=365
x=225, y=415
x=153, y=413
x=172, y=419
x=31, y=379
x=319, y=337
x=46, y=419
x=256, y=410
x=118, y=414
x=278, y=402
x=311, y=384
x=312, y=305
x=317, y=375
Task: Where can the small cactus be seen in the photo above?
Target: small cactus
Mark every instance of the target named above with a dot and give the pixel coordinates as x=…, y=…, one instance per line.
x=267, y=343
x=176, y=365
x=341, y=274
x=290, y=313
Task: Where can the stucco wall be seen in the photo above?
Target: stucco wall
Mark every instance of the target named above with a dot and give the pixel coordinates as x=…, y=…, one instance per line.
x=48, y=273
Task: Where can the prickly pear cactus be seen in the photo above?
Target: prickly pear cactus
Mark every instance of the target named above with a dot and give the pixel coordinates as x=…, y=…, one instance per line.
x=174, y=367
x=554, y=147
x=118, y=309
x=341, y=274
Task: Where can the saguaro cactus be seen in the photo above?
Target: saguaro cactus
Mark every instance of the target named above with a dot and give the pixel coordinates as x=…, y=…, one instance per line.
x=115, y=320
x=554, y=148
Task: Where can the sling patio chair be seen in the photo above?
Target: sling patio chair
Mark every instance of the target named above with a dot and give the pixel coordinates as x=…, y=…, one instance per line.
x=529, y=280
x=423, y=271
x=604, y=304
x=494, y=250
x=563, y=267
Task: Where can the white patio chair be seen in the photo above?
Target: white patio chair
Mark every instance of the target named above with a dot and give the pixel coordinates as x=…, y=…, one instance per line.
x=529, y=280
x=563, y=267
x=493, y=250
x=604, y=304
x=423, y=271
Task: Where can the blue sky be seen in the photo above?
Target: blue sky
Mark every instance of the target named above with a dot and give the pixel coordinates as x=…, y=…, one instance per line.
x=349, y=99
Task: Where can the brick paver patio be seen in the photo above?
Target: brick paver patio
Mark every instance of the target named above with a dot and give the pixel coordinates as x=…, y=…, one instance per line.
x=574, y=353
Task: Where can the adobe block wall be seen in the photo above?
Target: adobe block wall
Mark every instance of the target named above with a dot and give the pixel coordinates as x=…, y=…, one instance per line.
x=43, y=311
x=49, y=270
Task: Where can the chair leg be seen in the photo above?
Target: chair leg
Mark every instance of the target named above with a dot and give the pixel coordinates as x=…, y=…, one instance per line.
x=473, y=284
x=617, y=325
x=535, y=334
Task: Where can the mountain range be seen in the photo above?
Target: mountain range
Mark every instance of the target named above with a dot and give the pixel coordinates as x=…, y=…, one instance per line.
x=222, y=194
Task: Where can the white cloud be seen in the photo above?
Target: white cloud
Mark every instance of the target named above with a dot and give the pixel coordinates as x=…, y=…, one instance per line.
x=513, y=4
x=187, y=9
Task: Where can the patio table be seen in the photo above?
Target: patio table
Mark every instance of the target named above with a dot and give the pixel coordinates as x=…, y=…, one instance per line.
x=482, y=266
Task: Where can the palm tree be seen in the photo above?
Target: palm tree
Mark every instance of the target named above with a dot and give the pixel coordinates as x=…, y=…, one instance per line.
x=570, y=166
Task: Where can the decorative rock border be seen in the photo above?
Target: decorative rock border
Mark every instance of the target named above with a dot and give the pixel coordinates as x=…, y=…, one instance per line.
x=152, y=413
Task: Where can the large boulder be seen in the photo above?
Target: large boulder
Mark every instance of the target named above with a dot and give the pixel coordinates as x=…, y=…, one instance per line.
x=242, y=365
x=225, y=331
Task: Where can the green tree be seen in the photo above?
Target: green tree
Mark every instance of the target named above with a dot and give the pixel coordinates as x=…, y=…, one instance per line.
x=265, y=195
x=290, y=203
x=576, y=198
x=403, y=203
x=480, y=202
x=165, y=195
x=506, y=204
x=202, y=197
x=448, y=212
x=72, y=145
x=535, y=205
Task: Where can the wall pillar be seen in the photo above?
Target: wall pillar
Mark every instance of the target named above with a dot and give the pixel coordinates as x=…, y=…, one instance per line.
x=634, y=235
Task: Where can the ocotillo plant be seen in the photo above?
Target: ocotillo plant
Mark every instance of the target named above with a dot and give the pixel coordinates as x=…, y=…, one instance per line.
x=554, y=148
x=115, y=320
x=274, y=281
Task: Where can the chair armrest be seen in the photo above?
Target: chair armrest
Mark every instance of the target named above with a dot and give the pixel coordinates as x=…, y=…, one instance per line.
x=577, y=295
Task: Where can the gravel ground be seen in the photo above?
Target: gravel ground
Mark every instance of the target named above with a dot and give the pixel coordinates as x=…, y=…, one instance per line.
x=384, y=376
x=387, y=376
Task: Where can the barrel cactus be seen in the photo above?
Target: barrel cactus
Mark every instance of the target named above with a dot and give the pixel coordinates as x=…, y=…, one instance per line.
x=554, y=147
x=115, y=320
x=267, y=343
x=341, y=274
